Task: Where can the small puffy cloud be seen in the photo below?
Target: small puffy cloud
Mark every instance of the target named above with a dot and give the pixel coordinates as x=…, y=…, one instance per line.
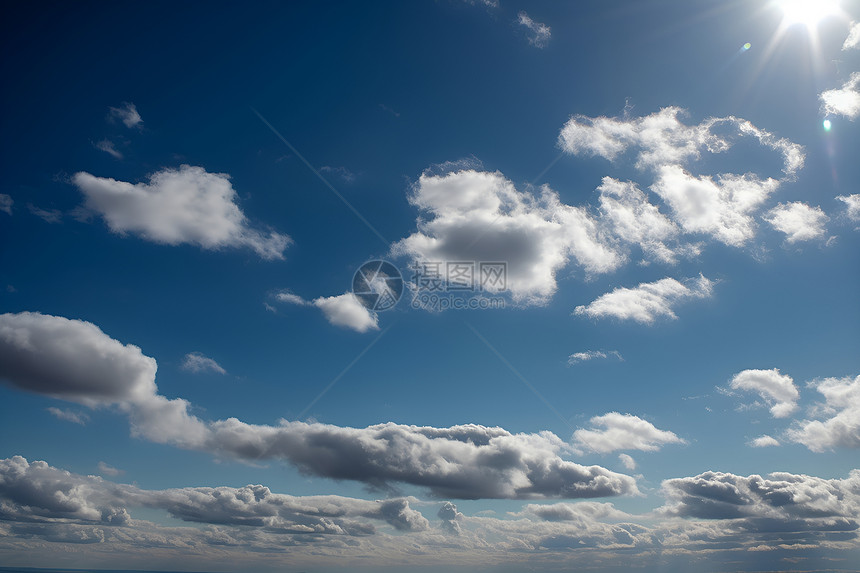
x=777, y=390
x=852, y=206
x=197, y=362
x=614, y=431
x=648, y=301
x=185, y=205
x=68, y=415
x=798, y=221
x=127, y=114
x=840, y=427
x=478, y=216
x=844, y=101
x=347, y=310
x=764, y=442
x=290, y=298
x=108, y=147
x=627, y=461
x=108, y=470
x=49, y=216
x=853, y=39
x=6, y=203
x=538, y=34
x=578, y=357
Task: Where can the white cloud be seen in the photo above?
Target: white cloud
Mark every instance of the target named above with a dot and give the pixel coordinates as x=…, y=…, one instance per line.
x=614, y=431
x=627, y=461
x=346, y=310
x=777, y=390
x=107, y=470
x=69, y=415
x=578, y=357
x=290, y=298
x=844, y=101
x=76, y=361
x=127, y=114
x=540, y=34
x=853, y=39
x=764, y=441
x=185, y=205
x=648, y=301
x=798, y=221
x=852, y=206
x=481, y=217
x=841, y=427
x=197, y=362
x=6, y=203
x=108, y=147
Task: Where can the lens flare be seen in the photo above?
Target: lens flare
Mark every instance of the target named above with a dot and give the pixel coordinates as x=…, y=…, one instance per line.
x=747, y=46
x=827, y=125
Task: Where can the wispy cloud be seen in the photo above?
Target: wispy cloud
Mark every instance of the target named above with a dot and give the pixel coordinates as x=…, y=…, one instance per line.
x=69, y=415
x=587, y=355
x=108, y=146
x=538, y=34
x=853, y=39
x=852, y=206
x=127, y=114
x=107, y=470
x=345, y=174
x=6, y=203
x=197, y=362
x=52, y=216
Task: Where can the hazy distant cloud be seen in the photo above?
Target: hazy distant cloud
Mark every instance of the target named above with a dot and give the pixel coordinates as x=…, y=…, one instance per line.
x=487, y=3
x=539, y=34
x=627, y=461
x=853, y=39
x=107, y=470
x=75, y=360
x=471, y=215
x=840, y=427
x=185, y=205
x=197, y=362
x=798, y=221
x=647, y=302
x=53, y=216
x=127, y=114
x=777, y=390
x=346, y=310
x=345, y=174
x=764, y=441
x=844, y=101
x=6, y=203
x=108, y=146
x=614, y=431
x=852, y=206
x=69, y=415
x=578, y=357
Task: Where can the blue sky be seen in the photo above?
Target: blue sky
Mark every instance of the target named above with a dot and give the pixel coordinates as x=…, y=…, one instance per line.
x=668, y=379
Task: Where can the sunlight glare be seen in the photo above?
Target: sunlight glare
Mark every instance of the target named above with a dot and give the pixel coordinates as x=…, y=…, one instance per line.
x=807, y=12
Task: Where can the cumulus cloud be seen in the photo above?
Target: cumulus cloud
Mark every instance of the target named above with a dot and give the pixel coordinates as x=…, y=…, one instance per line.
x=627, y=461
x=6, y=203
x=853, y=39
x=538, y=34
x=852, y=206
x=840, y=427
x=613, y=431
x=764, y=442
x=185, y=205
x=477, y=216
x=108, y=147
x=648, y=301
x=74, y=360
x=844, y=101
x=68, y=415
x=127, y=114
x=197, y=362
x=578, y=357
x=347, y=310
x=777, y=390
x=449, y=515
x=798, y=221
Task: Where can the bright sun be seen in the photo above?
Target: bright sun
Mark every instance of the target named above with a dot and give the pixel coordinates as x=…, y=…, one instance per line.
x=807, y=12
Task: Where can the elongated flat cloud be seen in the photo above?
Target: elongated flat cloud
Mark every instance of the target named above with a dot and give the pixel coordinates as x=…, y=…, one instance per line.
x=648, y=301
x=347, y=311
x=478, y=216
x=840, y=426
x=75, y=360
x=197, y=362
x=798, y=221
x=539, y=34
x=845, y=100
x=578, y=357
x=777, y=389
x=613, y=431
x=185, y=205
x=764, y=442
